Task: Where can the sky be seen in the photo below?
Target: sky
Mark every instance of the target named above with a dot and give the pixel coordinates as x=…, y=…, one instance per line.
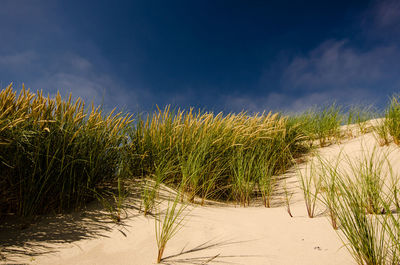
x=210, y=54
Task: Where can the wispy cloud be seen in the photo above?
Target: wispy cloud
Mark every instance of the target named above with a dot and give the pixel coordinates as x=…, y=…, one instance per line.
x=341, y=70
x=46, y=50
x=17, y=59
x=38, y=50
x=336, y=65
x=68, y=73
x=386, y=13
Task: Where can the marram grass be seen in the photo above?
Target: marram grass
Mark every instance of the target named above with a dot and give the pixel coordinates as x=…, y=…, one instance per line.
x=361, y=208
x=211, y=156
x=54, y=153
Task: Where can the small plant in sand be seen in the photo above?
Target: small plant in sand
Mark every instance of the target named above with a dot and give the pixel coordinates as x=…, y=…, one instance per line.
x=321, y=125
x=310, y=184
x=365, y=236
x=287, y=197
x=119, y=200
x=381, y=133
x=329, y=173
x=371, y=236
x=360, y=116
x=395, y=191
x=327, y=122
x=370, y=175
x=267, y=187
x=392, y=119
x=150, y=190
x=167, y=227
x=391, y=189
x=149, y=195
x=164, y=166
x=391, y=225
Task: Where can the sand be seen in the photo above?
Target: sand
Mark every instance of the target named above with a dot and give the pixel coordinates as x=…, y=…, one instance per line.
x=212, y=234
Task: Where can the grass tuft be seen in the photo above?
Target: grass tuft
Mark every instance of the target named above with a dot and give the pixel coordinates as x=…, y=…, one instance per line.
x=167, y=227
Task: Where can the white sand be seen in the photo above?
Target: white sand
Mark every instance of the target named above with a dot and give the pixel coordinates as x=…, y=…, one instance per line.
x=211, y=235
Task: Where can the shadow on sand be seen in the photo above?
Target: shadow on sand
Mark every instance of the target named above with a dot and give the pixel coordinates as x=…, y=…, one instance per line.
x=40, y=235
x=180, y=258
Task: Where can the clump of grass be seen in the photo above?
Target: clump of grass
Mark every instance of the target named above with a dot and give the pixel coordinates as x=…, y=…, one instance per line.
x=148, y=195
x=329, y=174
x=382, y=133
x=193, y=166
x=310, y=184
x=167, y=227
x=370, y=175
x=321, y=124
x=360, y=116
x=356, y=197
x=364, y=234
x=54, y=152
x=163, y=168
x=218, y=157
x=287, y=198
x=391, y=225
x=394, y=189
x=392, y=119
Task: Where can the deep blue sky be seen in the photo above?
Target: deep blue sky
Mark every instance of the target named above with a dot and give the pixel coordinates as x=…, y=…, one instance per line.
x=216, y=55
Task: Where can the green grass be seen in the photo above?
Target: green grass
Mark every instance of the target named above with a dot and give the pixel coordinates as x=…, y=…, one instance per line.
x=392, y=119
x=363, y=210
x=365, y=237
x=371, y=177
x=321, y=124
x=164, y=167
x=215, y=156
x=167, y=227
x=311, y=185
x=54, y=153
x=329, y=174
x=232, y=157
x=287, y=198
x=381, y=132
x=359, y=115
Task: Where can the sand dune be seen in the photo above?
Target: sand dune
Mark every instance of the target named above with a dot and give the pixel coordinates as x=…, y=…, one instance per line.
x=212, y=234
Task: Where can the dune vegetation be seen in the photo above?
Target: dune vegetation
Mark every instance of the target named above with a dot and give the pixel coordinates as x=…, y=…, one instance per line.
x=54, y=153
x=58, y=154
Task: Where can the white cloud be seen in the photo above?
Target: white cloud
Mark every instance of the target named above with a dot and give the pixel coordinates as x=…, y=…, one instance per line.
x=333, y=65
